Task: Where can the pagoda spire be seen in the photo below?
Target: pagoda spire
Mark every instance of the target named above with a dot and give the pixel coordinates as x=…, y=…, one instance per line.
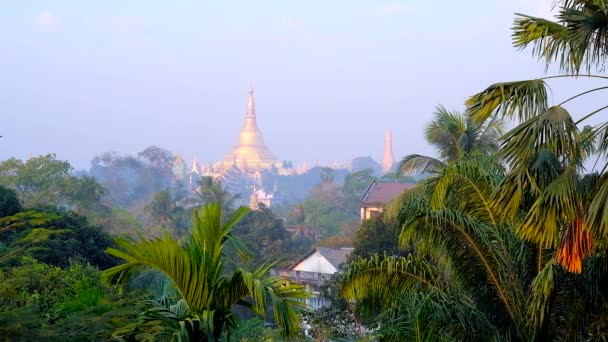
x=251, y=151
x=250, y=103
x=388, y=160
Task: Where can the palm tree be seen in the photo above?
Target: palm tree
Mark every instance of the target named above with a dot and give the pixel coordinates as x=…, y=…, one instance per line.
x=467, y=229
x=454, y=135
x=547, y=151
x=471, y=266
x=198, y=270
x=463, y=258
x=162, y=209
x=211, y=190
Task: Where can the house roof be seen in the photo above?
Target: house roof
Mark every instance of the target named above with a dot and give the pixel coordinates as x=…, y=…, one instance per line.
x=335, y=256
x=383, y=193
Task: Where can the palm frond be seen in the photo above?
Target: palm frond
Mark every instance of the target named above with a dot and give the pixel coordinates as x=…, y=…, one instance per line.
x=392, y=210
x=576, y=245
x=597, y=217
x=550, y=40
x=415, y=163
x=577, y=40
x=522, y=99
x=557, y=205
x=471, y=246
x=553, y=130
x=541, y=290
x=470, y=185
x=198, y=273
x=445, y=133
x=382, y=279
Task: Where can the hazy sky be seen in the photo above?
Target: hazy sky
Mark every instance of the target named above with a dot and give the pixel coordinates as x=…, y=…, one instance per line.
x=78, y=78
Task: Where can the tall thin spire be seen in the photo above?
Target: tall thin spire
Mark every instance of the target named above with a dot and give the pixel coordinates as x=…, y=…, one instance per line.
x=250, y=103
x=388, y=160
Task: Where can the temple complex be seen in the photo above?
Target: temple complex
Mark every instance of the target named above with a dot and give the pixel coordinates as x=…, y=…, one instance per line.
x=251, y=153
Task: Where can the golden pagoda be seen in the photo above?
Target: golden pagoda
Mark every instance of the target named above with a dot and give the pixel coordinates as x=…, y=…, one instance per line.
x=250, y=153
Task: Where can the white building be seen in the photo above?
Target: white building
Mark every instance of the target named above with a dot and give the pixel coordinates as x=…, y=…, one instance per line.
x=313, y=269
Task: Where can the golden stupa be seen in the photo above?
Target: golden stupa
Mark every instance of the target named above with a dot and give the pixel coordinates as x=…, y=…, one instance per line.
x=250, y=153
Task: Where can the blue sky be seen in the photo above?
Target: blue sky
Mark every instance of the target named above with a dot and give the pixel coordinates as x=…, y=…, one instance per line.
x=83, y=77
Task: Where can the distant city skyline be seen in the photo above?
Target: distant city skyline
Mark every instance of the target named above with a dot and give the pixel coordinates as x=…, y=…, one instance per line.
x=83, y=78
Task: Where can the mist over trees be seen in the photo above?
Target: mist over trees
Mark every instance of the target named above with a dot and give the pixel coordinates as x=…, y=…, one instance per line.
x=132, y=181
x=503, y=238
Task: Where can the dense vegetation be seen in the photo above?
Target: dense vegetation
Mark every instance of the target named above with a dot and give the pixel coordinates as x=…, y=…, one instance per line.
x=504, y=239
x=508, y=245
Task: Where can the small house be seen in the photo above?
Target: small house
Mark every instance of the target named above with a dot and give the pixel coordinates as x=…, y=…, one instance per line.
x=378, y=195
x=313, y=269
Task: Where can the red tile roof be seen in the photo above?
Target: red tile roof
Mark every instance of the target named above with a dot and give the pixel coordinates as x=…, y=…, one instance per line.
x=379, y=193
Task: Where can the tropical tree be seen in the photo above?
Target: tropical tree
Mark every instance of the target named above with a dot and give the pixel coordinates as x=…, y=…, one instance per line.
x=38, y=181
x=162, y=209
x=40, y=302
x=264, y=234
x=56, y=237
x=555, y=286
x=9, y=202
x=547, y=152
x=198, y=270
x=86, y=195
x=468, y=262
x=377, y=235
x=157, y=157
x=453, y=135
x=211, y=190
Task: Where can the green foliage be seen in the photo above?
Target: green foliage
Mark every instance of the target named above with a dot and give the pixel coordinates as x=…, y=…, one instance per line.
x=264, y=235
x=167, y=213
x=521, y=98
x=86, y=196
x=330, y=324
x=197, y=270
x=9, y=202
x=46, y=182
x=38, y=181
x=57, y=237
x=459, y=245
x=29, y=226
x=547, y=151
x=576, y=40
x=211, y=190
x=454, y=136
x=354, y=187
x=432, y=317
x=327, y=211
x=43, y=302
x=255, y=330
x=377, y=236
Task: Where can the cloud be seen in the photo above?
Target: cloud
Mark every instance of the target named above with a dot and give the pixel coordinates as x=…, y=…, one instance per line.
x=125, y=24
x=47, y=21
x=392, y=9
x=291, y=22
